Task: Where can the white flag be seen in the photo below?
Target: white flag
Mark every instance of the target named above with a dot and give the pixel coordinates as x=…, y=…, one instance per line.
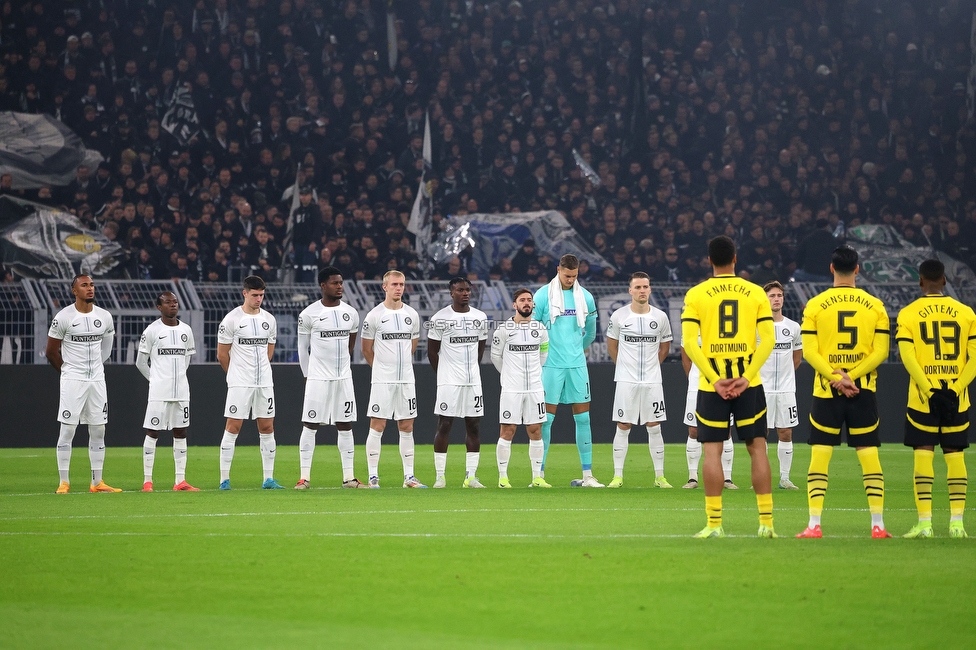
x=423, y=205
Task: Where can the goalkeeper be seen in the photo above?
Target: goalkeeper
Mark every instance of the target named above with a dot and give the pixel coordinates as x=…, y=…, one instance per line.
x=936, y=337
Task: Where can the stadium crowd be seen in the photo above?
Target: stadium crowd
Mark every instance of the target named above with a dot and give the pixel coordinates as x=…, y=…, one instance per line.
x=778, y=124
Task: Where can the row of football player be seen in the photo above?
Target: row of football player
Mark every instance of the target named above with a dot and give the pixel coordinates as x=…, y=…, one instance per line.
x=639, y=337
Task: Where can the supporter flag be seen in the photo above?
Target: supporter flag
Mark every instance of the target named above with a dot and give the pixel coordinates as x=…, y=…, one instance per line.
x=420, y=223
x=289, y=231
x=38, y=150
x=391, y=37
x=181, y=120
x=588, y=172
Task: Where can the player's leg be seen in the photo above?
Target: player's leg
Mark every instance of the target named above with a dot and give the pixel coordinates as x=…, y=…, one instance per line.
x=693, y=449
x=381, y=401
x=268, y=449
x=958, y=481
x=826, y=419
x=553, y=380
x=713, y=414
x=306, y=450
x=784, y=453
x=472, y=456
x=70, y=404
x=236, y=408
x=534, y=416
x=346, y=446
x=576, y=391
x=782, y=416
x=149, y=459
x=728, y=456
x=408, y=407
x=923, y=478
x=750, y=411
x=653, y=406
x=95, y=414
x=179, y=454
x=621, y=443
x=503, y=453
x=862, y=433
x=442, y=438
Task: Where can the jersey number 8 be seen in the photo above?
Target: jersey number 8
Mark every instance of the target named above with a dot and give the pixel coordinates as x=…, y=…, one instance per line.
x=728, y=319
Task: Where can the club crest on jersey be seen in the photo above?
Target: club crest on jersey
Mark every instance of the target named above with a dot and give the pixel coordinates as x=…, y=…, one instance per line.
x=265, y=325
x=233, y=409
x=408, y=320
x=311, y=414
x=653, y=324
x=443, y=406
x=183, y=338
x=376, y=408
x=345, y=317
x=690, y=417
x=620, y=412
x=507, y=414
x=535, y=334
x=97, y=323
x=66, y=414
x=154, y=421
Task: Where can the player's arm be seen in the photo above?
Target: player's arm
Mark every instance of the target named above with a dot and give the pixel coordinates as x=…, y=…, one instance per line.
x=271, y=347
x=589, y=331
x=662, y=352
x=968, y=373
x=613, y=338
x=666, y=337
x=811, y=347
x=690, y=328
x=612, y=348
x=906, y=347
x=272, y=337
x=767, y=339
x=53, y=353
x=882, y=341
x=498, y=346
x=544, y=346
x=352, y=343
x=142, y=358
x=685, y=360
x=797, y=358
x=415, y=331
x=223, y=355
x=797, y=350
x=304, y=342
x=367, y=349
x=108, y=340
x=433, y=352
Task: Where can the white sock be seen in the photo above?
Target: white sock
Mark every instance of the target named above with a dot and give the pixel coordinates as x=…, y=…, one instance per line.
x=621, y=442
x=148, y=458
x=877, y=520
x=587, y=473
x=65, y=436
x=440, y=463
x=503, y=452
x=655, y=443
x=728, y=454
x=179, y=459
x=406, y=452
x=471, y=460
x=537, y=450
x=784, y=450
x=814, y=521
x=96, y=451
x=268, y=448
x=693, y=452
x=306, y=450
x=373, y=443
x=227, y=444
x=347, y=454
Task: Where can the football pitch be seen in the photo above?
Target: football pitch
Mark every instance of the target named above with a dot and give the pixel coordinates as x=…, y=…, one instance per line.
x=454, y=568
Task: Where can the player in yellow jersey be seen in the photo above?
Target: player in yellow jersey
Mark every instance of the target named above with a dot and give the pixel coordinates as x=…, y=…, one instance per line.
x=936, y=337
x=846, y=335
x=727, y=312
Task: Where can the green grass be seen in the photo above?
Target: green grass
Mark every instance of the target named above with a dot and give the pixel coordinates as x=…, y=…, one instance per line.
x=560, y=568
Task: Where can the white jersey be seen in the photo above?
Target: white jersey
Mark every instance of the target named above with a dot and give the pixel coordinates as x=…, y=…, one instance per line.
x=249, y=336
x=639, y=338
x=694, y=374
x=81, y=341
x=393, y=332
x=329, y=329
x=169, y=350
x=518, y=351
x=459, y=334
x=777, y=374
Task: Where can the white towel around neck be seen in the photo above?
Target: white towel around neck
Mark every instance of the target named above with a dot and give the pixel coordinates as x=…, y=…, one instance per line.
x=557, y=307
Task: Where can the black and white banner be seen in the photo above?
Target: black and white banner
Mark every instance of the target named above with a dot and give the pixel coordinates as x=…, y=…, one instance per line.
x=181, y=119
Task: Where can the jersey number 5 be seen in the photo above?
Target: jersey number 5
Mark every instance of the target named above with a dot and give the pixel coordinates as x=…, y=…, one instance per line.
x=844, y=328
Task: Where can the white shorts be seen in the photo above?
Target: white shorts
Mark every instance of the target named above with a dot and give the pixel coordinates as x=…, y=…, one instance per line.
x=691, y=403
x=459, y=401
x=639, y=403
x=249, y=403
x=164, y=416
x=522, y=408
x=781, y=411
x=83, y=402
x=393, y=401
x=329, y=402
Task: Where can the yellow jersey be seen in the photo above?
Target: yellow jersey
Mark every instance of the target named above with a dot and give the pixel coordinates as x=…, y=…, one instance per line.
x=939, y=330
x=727, y=311
x=845, y=328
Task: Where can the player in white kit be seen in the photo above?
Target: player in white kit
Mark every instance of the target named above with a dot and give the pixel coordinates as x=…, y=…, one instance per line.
x=519, y=348
x=78, y=344
x=326, y=335
x=245, y=343
x=693, y=448
x=164, y=354
x=456, y=339
x=778, y=376
x=638, y=341
x=391, y=331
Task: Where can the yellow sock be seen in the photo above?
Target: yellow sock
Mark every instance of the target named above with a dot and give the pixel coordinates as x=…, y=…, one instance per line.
x=958, y=481
x=713, y=509
x=924, y=477
x=765, y=503
x=817, y=477
x=873, y=478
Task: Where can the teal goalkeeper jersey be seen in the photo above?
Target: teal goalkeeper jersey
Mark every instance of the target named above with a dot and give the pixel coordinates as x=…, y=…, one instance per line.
x=566, y=339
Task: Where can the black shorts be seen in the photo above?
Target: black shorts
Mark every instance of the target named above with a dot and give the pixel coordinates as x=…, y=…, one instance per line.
x=748, y=409
x=828, y=415
x=919, y=433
